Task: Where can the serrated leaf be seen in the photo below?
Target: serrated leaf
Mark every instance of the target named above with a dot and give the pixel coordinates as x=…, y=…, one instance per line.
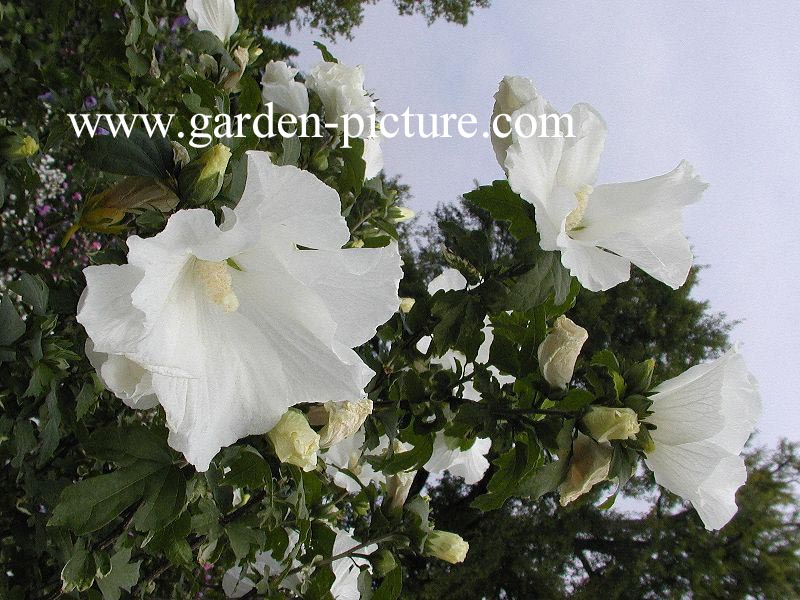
x=123, y=575
x=79, y=572
x=139, y=154
x=247, y=469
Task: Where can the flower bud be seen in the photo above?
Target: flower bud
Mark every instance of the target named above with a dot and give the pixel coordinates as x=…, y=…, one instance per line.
x=398, y=487
x=446, y=546
x=180, y=155
x=588, y=466
x=201, y=180
x=406, y=304
x=559, y=351
x=344, y=419
x=398, y=214
x=294, y=440
x=605, y=423
x=18, y=147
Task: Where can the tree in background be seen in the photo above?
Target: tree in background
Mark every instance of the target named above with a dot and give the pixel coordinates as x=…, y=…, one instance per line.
x=659, y=547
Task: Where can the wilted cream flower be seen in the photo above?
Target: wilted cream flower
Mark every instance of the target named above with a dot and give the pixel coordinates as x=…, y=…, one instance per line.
x=559, y=351
x=703, y=418
x=217, y=16
x=606, y=423
x=446, y=546
x=278, y=86
x=344, y=419
x=294, y=440
x=588, y=466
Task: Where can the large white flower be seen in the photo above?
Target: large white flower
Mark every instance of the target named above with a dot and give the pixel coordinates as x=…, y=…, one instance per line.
x=278, y=86
x=451, y=279
x=217, y=16
x=703, y=419
x=235, y=323
x=470, y=464
x=599, y=230
x=346, y=570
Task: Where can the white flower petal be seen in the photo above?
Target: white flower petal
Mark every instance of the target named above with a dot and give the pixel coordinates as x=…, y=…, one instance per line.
x=292, y=205
x=217, y=16
x=596, y=269
x=581, y=154
x=279, y=87
x=446, y=281
x=359, y=287
x=470, y=464
x=125, y=378
x=642, y=221
x=373, y=157
x=105, y=309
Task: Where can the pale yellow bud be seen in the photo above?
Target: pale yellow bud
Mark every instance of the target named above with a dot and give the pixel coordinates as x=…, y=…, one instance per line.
x=446, y=546
x=406, y=304
x=588, y=466
x=294, y=440
x=559, y=351
x=344, y=419
x=605, y=423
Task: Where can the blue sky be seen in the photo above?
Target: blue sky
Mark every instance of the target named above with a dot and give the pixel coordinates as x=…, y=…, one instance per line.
x=715, y=83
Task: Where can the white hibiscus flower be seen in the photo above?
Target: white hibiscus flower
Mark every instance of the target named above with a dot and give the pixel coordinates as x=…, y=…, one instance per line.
x=703, y=419
x=346, y=570
x=599, y=230
x=451, y=279
x=233, y=324
x=217, y=16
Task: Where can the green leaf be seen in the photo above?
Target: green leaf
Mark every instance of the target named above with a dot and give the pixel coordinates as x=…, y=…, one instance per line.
x=138, y=154
x=128, y=444
x=86, y=399
x=164, y=500
x=33, y=291
x=505, y=205
x=606, y=358
x=247, y=469
x=123, y=575
x=242, y=537
x=544, y=479
x=352, y=177
x=576, y=399
x=92, y=503
x=391, y=586
x=11, y=324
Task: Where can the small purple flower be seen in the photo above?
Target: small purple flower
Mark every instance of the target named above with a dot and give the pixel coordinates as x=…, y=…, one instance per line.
x=102, y=131
x=95, y=245
x=181, y=21
x=89, y=102
x=46, y=97
x=77, y=196
x=43, y=210
x=208, y=566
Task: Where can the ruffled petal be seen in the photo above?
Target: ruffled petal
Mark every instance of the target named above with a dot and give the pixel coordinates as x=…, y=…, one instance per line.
x=292, y=205
x=642, y=221
x=596, y=269
x=358, y=286
x=125, y=378
x=217, y=16
x=105, y=309
x=581, y=154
